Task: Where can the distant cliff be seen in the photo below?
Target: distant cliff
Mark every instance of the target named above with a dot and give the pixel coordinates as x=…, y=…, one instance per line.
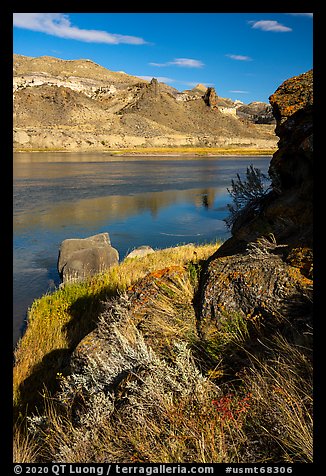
x=257, y=112
x=79, y=105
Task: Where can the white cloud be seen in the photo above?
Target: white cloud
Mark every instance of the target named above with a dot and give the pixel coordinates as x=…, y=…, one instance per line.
x=58, y=24
x=187, y=63
x=239, y=57
x=303, y=14
x=182, y=62
x=159, y=64
x=238, y=91
x=269, y=25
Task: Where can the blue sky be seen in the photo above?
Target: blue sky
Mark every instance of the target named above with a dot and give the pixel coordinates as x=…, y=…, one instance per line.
x=244, y=56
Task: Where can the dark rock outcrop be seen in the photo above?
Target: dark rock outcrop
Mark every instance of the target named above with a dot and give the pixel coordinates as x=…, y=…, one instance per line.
x=291, y=165
x=265, y=268
x=80, y=258
x=210, y=98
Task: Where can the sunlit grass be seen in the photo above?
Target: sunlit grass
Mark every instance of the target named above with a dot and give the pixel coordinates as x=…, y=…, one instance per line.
x=195, y=151
x=177, y=150
x=59, y=320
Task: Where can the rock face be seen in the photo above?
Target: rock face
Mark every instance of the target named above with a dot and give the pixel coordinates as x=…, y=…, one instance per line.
x=265, y=268
x=80, y=258
x=257, y=112
x=292, y=164
x=210, y=98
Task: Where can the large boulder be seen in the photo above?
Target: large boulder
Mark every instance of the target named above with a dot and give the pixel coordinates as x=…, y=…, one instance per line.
x=80, y=258
x=254, y=286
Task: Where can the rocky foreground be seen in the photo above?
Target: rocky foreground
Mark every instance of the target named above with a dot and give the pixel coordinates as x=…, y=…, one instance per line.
x=79, y=106
x=211, y=361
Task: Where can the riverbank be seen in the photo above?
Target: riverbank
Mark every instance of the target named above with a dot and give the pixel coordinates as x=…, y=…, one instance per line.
x=166, y=151
x=185, y=404
x=76, y=307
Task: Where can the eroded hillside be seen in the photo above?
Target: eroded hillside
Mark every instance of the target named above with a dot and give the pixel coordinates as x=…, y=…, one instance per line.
x=79, y=105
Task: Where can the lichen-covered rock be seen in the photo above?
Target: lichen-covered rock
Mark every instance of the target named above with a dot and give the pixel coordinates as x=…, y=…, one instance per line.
x=291, y=165
x=251, y=286
x=266, y=266
x=291, y=96
x=80, y=258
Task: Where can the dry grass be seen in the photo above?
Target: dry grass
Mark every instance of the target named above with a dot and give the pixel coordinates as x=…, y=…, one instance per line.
x=162, y=411
x=194, y=151
x=25, y=449
x=282, y=396
x=140, y=396
x=58, y=321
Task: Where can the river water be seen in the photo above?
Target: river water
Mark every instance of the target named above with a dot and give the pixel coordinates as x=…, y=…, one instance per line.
x=156, y=201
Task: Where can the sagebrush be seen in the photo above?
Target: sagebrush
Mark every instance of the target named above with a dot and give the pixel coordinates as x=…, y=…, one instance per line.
x=246, y=193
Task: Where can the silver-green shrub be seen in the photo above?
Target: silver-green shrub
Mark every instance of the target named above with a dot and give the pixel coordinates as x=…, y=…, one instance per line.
x=246, y=194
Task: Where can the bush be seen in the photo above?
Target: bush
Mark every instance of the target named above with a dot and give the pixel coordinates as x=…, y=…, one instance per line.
x=246, y=193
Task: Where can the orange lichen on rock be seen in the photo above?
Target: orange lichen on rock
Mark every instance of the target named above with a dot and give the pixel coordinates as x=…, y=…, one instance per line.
x=146, y=290
x=302, y=258
x=294, y=94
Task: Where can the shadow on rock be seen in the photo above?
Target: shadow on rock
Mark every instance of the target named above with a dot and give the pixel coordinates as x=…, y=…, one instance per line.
x=43, y=377
x=84, y=314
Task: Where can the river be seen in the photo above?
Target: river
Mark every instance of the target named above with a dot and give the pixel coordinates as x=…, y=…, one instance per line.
x=156, y=201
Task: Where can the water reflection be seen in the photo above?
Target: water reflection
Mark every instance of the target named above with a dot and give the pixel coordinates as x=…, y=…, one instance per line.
x=104, y=210
x=157, y=201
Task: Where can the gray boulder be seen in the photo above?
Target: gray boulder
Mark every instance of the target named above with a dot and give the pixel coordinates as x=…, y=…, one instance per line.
x=80, y=258
x=140, y=252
